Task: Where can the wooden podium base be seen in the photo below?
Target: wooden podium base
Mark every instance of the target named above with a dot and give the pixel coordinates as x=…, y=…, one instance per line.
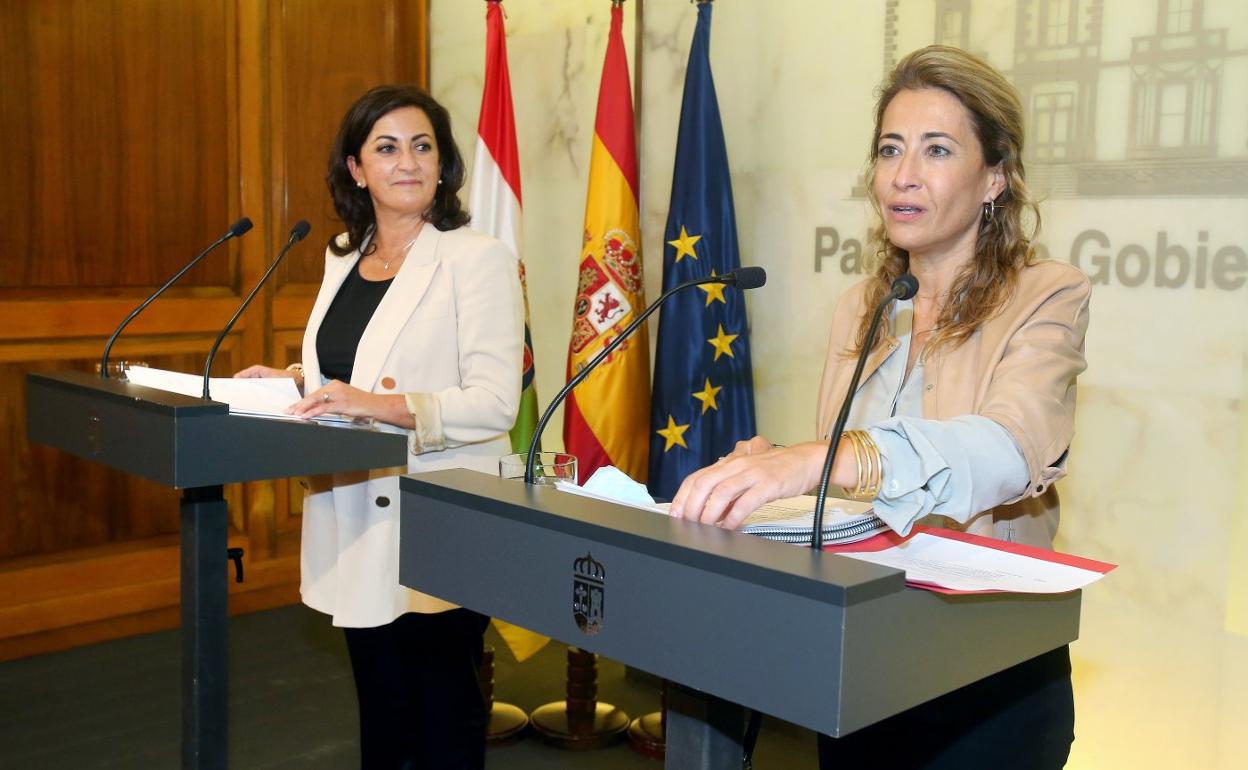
x=646, y=735
x=580, y=723
x=579, y=731
x=507, y=723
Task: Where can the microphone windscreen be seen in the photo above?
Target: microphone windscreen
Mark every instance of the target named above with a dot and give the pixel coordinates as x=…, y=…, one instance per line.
x=750, y=277
x=300, y=230
x=240, y=227
x=906, y=286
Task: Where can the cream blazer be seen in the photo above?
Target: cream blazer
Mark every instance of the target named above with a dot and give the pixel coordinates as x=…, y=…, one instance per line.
x=449, y=335
x=1018, y=369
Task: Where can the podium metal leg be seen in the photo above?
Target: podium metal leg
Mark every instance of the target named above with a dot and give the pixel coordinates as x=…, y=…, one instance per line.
x=703, y=732
x=205, y=599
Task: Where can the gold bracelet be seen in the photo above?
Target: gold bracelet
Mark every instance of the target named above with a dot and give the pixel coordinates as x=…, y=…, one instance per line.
x=296, y=368
x=856, y=446
x=870, y=465
x=875, y=477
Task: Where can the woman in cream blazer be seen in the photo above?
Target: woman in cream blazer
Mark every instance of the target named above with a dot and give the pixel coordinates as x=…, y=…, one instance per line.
x=447, y=336
x=417, y=328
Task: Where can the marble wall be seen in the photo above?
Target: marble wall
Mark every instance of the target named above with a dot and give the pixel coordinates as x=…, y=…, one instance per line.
x=1141, y=159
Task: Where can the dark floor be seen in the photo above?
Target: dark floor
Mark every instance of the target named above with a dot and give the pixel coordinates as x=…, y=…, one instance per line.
x=292, y=704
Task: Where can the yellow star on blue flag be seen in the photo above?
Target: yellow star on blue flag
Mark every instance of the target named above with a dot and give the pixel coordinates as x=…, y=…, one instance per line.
x=684, y=244
x=707, y=396
x=673, y=434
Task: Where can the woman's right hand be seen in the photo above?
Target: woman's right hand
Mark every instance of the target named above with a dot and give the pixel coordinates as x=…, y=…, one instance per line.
x=755, y=473
x=264, y=371
x=754, y=446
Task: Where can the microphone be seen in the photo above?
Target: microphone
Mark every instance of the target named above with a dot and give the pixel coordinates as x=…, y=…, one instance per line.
x=236, y=229
x=297, y=233
x=743, y=278
x=905, y=287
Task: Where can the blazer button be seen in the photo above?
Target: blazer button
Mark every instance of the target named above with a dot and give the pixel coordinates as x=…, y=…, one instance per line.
x=387, y=383
x=383, y=502
x=929, y=386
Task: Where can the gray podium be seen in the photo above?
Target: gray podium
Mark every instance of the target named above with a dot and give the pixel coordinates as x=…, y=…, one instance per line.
x=196, y=446
x=820, y=640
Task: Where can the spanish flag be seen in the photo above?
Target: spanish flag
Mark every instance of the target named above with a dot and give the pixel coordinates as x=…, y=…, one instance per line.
x=606, y=418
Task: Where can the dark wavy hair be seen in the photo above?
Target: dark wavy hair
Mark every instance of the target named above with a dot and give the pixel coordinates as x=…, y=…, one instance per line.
x=1004, y=245
x=353, y=204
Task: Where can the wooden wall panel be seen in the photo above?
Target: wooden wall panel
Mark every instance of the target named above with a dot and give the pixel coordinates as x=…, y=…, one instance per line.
x=314, y=91
x=116, y=124
x=137, y=130
x=61, y=502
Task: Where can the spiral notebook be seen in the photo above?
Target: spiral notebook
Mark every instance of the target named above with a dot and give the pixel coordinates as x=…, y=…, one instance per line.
x=791, y=520
x=787, y=520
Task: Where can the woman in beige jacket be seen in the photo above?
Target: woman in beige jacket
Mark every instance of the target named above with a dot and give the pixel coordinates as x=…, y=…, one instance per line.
x=965, y=411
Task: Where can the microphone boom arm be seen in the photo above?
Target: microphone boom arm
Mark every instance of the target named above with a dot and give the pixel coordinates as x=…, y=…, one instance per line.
x=902, y=289
x=297, y=234
x=238, y=228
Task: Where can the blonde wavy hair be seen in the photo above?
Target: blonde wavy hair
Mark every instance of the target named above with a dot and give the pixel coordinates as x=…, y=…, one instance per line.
x=1004, y=244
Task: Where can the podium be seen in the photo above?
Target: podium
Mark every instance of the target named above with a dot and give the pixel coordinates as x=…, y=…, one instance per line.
x=824, y=641
x=197, y=446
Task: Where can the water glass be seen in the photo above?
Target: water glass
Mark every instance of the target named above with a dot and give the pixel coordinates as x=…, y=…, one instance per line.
x=548, y=467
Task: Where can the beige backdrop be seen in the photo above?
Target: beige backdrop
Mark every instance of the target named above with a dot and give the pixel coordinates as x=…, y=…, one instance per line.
x=1138, y=129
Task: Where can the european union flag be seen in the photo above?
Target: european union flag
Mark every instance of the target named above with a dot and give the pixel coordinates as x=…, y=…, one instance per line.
x=702, y=401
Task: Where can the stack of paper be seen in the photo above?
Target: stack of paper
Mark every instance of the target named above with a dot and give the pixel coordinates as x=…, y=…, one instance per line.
x=958, y=563
x=258, y=397
x=788, y=520
x=792, y=519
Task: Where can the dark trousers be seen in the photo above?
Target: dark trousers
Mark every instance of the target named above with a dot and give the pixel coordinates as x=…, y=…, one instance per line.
x=1019, y=719
x=420, y=701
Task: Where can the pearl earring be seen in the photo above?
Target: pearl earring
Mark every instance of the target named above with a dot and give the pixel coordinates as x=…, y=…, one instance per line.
x=359, y=183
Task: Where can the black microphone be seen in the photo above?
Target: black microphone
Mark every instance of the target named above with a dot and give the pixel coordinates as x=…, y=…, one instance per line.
x=743, y=278
x=297, y=233
x=236, y=229
x=905, y=287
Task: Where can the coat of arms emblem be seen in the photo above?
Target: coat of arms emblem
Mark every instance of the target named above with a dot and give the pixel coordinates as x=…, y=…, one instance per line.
x=588, y=587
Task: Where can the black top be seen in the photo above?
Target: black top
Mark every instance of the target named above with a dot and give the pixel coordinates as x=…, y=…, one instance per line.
x=344, y=323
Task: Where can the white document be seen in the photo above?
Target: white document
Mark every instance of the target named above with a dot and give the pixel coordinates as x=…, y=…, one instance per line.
x=960, y=566
x=258, y=396
x=614, y=486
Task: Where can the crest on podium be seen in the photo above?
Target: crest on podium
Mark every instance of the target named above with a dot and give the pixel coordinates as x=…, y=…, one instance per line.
x=588, y=593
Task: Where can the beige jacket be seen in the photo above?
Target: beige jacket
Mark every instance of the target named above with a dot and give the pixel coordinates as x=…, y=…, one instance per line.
x=1018, y=369
x=449, y=335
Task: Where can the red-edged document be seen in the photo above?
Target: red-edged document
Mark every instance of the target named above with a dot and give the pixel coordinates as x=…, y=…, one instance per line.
x=951, y=562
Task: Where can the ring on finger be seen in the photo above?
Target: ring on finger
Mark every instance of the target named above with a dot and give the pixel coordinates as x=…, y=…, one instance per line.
x=325, y=398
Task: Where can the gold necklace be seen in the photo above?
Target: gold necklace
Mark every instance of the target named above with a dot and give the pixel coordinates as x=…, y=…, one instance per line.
x=385, y=264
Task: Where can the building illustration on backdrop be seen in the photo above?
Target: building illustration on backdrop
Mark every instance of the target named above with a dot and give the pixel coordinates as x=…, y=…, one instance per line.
x=1122, y=97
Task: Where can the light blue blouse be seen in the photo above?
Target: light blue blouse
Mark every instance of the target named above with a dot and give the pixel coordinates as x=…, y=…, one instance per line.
x=955, y=468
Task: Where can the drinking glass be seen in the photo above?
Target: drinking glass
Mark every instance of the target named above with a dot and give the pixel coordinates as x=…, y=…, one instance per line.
x=548, y=467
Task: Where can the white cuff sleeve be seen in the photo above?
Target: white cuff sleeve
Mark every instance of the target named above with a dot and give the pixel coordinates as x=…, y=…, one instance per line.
x=426, y=411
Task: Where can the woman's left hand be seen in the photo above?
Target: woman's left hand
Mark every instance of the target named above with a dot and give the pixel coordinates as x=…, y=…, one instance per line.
x=337, y=397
